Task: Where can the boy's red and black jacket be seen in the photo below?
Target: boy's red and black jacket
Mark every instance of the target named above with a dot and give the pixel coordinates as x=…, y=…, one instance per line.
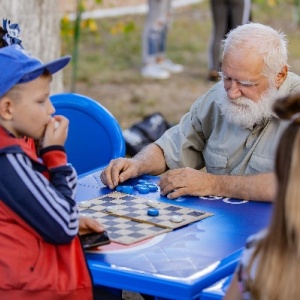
x=40, y=252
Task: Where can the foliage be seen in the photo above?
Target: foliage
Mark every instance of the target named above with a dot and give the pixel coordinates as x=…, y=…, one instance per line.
x=71, y=32
x=295, y=3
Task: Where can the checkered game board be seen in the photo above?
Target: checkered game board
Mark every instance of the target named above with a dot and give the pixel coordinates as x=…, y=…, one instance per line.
x=130, y=223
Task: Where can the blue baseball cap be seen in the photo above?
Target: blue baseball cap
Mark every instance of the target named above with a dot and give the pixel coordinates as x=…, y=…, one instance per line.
x=18, y=66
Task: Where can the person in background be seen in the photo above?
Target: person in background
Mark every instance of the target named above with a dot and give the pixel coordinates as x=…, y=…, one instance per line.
x=270, y=265
x=231, y=130
x=156, y=65
x=226, y=15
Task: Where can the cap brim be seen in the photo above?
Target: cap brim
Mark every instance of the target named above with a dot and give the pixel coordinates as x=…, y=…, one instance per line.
x=53, y=67
x=58, y=64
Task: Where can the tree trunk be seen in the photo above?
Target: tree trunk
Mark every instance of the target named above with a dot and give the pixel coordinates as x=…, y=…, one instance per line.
x=39, y=21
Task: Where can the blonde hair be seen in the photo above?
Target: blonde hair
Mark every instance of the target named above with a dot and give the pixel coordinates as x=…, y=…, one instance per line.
x=278, y=254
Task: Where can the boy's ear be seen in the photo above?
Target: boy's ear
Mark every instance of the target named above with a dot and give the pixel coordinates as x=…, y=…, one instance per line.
x=6, y=108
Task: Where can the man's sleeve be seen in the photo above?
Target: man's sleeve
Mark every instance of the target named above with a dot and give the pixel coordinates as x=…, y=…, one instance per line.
x=183, y=144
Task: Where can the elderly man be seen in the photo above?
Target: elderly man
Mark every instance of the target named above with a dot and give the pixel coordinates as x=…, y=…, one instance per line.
x=230, y=130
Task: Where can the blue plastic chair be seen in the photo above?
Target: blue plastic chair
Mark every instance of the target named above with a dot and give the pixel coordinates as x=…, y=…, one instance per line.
x=94, y=137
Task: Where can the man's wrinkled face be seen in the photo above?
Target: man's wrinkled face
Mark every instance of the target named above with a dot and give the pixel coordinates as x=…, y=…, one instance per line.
x=248, y=94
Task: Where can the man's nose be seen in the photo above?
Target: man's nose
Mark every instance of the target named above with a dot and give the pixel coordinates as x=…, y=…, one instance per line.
x=233, y=90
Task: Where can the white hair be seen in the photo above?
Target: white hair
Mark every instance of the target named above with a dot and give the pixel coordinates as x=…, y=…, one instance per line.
x=270, y=44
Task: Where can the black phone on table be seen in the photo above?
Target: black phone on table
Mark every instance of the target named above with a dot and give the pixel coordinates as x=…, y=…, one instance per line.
x=94, y=239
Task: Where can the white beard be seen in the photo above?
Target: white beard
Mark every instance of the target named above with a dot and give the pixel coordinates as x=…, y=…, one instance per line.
x=246, y=113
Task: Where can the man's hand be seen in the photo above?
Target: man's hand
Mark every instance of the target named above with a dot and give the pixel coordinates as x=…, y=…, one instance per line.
x=186, y=181
x=118, y=171
x=87, y=225
x=149, y=161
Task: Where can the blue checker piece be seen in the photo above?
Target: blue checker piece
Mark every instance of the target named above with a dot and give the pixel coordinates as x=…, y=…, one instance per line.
x=153, y=212
x=143, y=189
x=126, y=189
x=142, y=181
x=152, y=187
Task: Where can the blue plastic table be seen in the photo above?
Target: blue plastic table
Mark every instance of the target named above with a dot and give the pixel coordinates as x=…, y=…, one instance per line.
x=177, y=265
x=217, y=290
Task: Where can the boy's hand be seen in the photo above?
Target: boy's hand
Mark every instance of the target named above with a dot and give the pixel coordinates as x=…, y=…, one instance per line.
x=87, y=225
x=56, y=131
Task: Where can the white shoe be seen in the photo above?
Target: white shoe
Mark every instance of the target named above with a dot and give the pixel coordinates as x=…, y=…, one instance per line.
x=155, y=71
x=168, y=65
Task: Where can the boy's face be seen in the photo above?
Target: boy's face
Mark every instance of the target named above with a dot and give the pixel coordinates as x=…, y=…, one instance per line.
x=30, y=109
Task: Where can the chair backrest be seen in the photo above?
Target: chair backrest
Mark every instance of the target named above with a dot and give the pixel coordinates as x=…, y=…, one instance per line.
x=94, y=137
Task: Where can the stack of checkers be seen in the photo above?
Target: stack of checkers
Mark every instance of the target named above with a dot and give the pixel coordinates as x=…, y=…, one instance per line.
x=127, y=218
x=143, y=187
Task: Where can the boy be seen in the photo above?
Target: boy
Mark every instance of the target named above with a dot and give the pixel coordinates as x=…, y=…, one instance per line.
x=41, y=256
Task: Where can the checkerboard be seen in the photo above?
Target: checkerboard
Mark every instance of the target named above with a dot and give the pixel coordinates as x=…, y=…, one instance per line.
x=130, y=223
